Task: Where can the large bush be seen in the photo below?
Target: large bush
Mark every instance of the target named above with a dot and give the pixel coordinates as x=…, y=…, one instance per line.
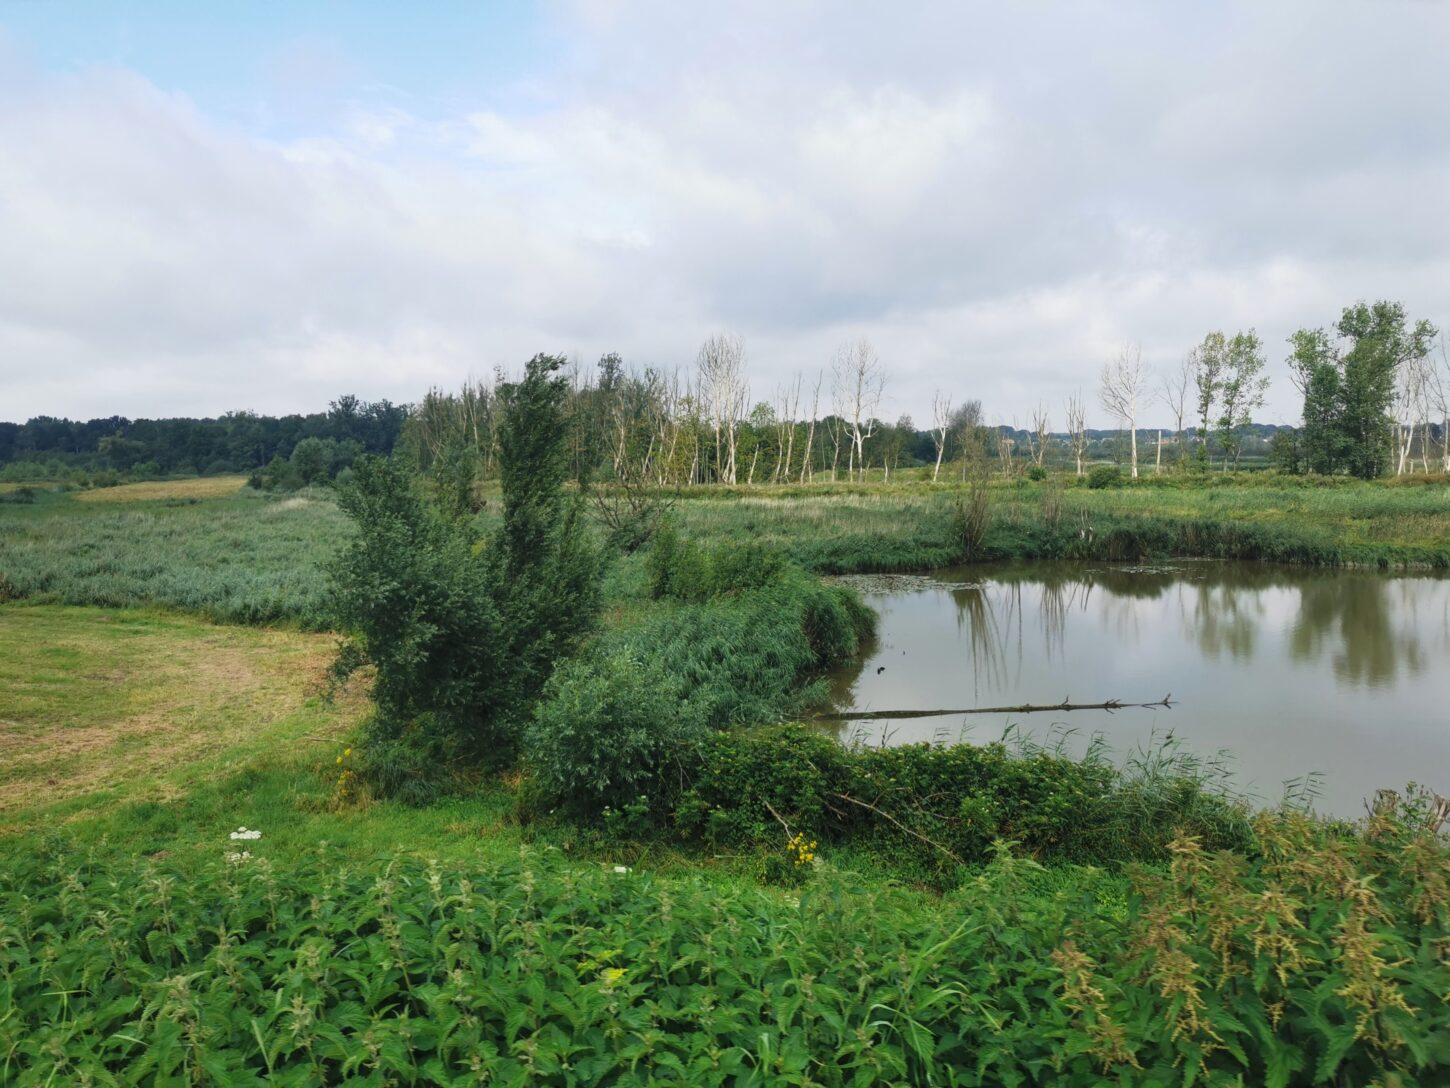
x=422, y=604
x=606, y=731
x=467, y=630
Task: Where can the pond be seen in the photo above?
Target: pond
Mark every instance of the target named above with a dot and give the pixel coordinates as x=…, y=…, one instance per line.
x=1339, y=675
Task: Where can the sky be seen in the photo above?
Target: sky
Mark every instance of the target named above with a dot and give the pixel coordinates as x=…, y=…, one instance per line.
x=211, y=207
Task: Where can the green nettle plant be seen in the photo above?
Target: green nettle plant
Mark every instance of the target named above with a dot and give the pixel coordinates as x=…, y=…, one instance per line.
x=1319, y=959
x=464, y=632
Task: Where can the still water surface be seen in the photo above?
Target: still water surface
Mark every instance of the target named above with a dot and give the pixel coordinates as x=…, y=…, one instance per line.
x=1291, y=671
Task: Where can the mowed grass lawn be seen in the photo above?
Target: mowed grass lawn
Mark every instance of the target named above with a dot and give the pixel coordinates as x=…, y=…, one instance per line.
x=149, y=733
x=154, y=734
x=104, y=706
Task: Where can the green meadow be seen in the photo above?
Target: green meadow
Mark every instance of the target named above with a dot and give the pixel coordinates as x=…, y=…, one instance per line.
x=249, y=557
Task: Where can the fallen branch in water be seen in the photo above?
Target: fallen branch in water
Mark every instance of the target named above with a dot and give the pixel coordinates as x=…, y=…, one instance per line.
x=1024, y=708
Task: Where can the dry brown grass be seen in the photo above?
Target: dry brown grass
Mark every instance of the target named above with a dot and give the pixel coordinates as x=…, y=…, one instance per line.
x=206, y=487
x=139, y=705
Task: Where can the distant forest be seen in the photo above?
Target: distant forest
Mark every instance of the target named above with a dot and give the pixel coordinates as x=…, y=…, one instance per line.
x=47, y=447
x=237, y=442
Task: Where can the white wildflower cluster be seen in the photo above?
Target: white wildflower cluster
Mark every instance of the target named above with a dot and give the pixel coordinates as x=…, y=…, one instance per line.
x=241, y=834
x=621, y=868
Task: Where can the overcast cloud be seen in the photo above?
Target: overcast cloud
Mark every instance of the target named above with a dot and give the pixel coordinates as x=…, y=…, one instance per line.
x=998, y=196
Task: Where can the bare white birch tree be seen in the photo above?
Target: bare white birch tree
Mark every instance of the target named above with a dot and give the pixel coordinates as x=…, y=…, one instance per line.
x=1173, y=390
x=1041, y=433
x=1122, y=389
x=1440, y=394
x=1005, y=445
x=785, y=422
x=1413, y=394
x=664, y=422
x=808, y=462
x=941, y=417
x=835, y=431
x=859, y=380
x=1077, y=428
x=721, y=363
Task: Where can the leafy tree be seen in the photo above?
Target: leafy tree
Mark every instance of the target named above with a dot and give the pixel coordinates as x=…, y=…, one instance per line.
x=1208, y=366
x=1349, y=385
x=464, y=633
x=120, y=452
x=421, y=603
x=1241, y=386
x=312, y=460
x=550, y=592
x=1313, y=361
x=278, y=475
x=1286, y=451
x=236, y=441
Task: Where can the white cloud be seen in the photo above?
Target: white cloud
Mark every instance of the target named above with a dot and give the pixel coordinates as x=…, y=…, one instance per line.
x=997, y=196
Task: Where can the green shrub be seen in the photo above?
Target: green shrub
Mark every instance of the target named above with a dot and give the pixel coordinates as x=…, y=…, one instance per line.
x=423, y=608
x=1104, y=476
x=677, y=566
x=944, y=806
x=1036, y=473
x=682, y=569
x=280, y=474
x=605, y=731
x=468, y=631
x=757, y=655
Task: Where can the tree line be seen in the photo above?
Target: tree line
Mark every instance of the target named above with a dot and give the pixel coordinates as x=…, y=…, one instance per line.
x=1374, y=400
x=1375, y=388
x=237, y=442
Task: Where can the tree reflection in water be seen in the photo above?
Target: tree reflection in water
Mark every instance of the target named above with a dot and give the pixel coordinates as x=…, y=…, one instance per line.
x=1295, y=669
